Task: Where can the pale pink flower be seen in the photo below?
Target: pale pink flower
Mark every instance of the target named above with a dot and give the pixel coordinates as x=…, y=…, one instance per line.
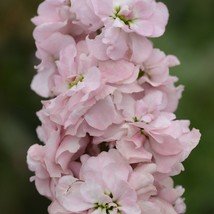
x=144, y=109
x=155, y=70
x=171, y=194
x=53, y=159
x=157, y=132
x=74, y=63
x=170, y=141
x=131, y=144
x=43, y=182
x=115, y=44
x=144, y=17
x=167, y=200
x=56, y=16
x=171, y=93
x=52, y=11
x=111, y=140
x=133, y=148
x=122, y=191
x=96, y=190
x=48, y=53
x=85, y=16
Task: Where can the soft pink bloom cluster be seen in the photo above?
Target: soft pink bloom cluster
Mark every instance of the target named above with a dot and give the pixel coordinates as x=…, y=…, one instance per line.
x=111, y=140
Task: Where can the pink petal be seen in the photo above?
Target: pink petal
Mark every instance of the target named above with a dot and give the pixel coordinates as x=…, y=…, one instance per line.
x=101, y=115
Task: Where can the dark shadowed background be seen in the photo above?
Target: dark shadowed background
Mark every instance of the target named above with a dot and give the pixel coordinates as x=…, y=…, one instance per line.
x=189, y=35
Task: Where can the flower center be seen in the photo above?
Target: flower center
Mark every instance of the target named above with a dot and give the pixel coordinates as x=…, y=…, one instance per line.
x=135, y=119
x=140, y=74
x=108, y=207
x=74, y=82
x=124, y=19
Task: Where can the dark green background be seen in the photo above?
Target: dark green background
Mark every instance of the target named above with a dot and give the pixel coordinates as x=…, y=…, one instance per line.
x=189, y=35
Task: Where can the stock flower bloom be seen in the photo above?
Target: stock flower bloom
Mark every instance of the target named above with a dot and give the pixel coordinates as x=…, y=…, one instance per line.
x=167, y=201
x=52, y=160
x=144, y=17
x=156, y=133
x=169, y=141
x=115, y=44
x=85, y=16
x=48, y=54
x=97, y=192
x=155, y=70
x=132, y=147
x=110, y=137
x=55, y=16
x=170, y=92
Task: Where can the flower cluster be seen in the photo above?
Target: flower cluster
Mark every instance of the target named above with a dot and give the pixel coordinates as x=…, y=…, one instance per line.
x=111, y=140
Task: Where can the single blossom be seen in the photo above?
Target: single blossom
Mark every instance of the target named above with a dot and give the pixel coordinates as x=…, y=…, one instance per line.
x=97, y=192
x=56, y=16
x=171, y=93
x=168, y=199
x=143, y=17
x=157, y=132
x=155, y=70
x=115, y=44
x=54, y=159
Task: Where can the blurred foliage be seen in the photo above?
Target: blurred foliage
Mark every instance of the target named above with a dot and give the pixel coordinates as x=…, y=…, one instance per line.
x=189, y=35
